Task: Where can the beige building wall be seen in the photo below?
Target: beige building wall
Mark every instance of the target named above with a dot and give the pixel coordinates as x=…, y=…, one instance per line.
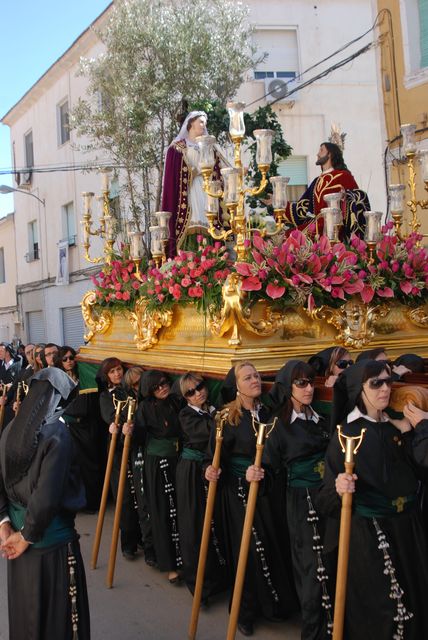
x=9, y=316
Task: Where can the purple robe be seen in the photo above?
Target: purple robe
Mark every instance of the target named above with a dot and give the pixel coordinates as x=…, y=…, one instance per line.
x=175, y=194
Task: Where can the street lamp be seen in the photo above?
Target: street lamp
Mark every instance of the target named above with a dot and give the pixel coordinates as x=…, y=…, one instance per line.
x=4, y=188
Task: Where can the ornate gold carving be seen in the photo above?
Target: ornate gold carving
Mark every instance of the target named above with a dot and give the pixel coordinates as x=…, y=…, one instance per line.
x=96, y=321
x=355, y=321
x=146, y=324
x=419, y=316
x=232, y=315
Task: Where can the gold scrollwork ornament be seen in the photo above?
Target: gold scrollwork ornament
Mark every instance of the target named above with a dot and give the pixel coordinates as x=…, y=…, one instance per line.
x=419, y=316
x=146, y=324
x=232, y=315
x=355, y=321
x=96, y=321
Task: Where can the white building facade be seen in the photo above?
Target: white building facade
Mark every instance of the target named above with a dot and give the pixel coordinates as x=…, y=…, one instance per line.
x=296, y=34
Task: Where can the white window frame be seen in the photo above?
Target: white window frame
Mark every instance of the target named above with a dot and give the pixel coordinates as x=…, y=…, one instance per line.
x=2, y=266
x=67, y=233
x=63, y=132
x=279, y=27
x=29, y=165
x=414, y=75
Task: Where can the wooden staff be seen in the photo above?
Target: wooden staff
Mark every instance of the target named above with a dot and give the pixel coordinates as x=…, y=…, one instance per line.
x=350, y=446
x=119, y=500
x=18, y=398
x=246, y=531
x=119, y=404
x=206, y=530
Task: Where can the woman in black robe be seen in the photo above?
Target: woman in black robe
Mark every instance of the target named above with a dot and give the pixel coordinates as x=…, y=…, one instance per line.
x=84, y=421
x=298, y=444
x=158, y=428
x=388, y=564
x=131, y=384
x=109, y=378
x=197, y=423
x=268, y=589
x=40, y=493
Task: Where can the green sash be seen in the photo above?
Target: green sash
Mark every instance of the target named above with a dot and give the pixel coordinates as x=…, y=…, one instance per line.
x=238, y=465
x=162, y=447
x=60, y=529
x=192, y=454
x=307, y=472
x=372, y=504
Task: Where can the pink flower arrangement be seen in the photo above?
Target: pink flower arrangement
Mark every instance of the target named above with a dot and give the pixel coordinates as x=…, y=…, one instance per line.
x=192, y=276
x=295, y=270
x=116, y=285
x=298, y=270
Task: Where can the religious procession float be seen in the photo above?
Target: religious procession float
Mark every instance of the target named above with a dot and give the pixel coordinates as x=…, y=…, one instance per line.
x=264, y=293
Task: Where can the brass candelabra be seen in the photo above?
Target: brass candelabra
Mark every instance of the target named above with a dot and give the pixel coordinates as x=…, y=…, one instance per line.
x=106, y=230
x=234, y=191
x=397, y=191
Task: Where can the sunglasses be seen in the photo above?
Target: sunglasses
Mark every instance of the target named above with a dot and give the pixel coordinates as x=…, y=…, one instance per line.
x=68, y=358
x=377, y=383
x=160, y=385
x=301, y=383
x=37, y=353
x=191, y=392
x=342, y=364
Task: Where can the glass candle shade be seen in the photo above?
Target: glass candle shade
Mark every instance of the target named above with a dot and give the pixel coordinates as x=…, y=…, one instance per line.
x=279, y=191
x=231, y=180
x=264, y=145
x=423, y=159
x=213, y=202
x=396, y=194
x=162, y=218
x=408, y=133
x=109, y=227
x=333, y=200
x=155, y=240
x=206, y=151
x=87, y=200
x=373, y=226
x=236, y=115
x=136, y=244
x=332, y=218
x=105, y=176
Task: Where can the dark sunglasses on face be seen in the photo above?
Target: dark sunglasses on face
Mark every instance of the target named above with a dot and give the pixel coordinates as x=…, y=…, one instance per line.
x=37, y=353
x=66, y=358
x=377, y=383
x=342, y=364
x=160, y=385
x=301, y=383
x=191, y=392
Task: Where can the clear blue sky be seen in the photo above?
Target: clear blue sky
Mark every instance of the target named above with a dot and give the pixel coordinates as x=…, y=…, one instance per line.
x=33, y=36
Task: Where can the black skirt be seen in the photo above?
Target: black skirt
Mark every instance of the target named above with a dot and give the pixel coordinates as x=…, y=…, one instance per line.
x=41, y=585
x=161, y=500
x=268, y=586
x=191, y=503
x=370, y=610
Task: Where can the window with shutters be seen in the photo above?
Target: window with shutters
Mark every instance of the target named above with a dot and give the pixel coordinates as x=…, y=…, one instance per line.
x=29, y=150
x=35, y=327
x=63, y=122
x=33, y=242
x=72, y=326
x=280, y=43
x=414, y=23
x=68, y=224
x=2, y=271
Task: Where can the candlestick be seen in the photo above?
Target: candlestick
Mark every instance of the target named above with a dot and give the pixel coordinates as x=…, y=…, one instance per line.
x=373, y=228
x=236, y=115
x=423, y=159
x=264, y=146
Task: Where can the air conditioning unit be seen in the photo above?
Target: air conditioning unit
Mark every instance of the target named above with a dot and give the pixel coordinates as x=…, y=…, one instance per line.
x=276, y=89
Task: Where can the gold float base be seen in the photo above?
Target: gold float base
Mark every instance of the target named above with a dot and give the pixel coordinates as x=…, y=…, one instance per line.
x=189, y=344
